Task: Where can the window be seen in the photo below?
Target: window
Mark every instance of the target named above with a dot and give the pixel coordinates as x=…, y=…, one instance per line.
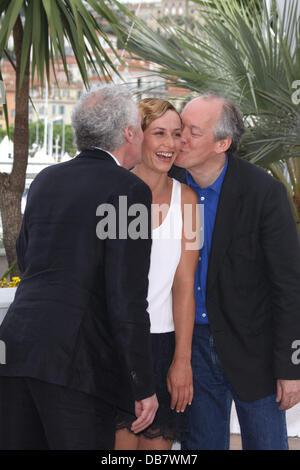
x=54, y=109
x=62, y=109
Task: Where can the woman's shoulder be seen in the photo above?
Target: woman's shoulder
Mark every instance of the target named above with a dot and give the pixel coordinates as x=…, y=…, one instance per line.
x=188, y=195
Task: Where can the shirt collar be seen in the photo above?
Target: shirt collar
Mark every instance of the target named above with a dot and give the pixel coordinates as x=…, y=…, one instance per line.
x=216, y=186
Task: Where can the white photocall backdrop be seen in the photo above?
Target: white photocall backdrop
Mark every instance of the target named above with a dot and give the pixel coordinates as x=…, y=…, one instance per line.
x=292, y=419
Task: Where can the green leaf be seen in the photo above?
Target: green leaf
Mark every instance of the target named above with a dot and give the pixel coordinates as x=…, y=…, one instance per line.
x=26, y=42
x=10, y=18
x=5, y=111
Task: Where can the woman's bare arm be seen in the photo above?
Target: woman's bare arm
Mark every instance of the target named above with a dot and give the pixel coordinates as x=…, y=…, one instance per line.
x=180, y=379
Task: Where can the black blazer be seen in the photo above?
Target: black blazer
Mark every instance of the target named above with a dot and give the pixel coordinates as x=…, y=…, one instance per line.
x=253, y=280
x=79, y=316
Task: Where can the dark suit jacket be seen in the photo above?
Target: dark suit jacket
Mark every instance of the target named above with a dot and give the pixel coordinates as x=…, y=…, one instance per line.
x=79, y=316
x=253, y=280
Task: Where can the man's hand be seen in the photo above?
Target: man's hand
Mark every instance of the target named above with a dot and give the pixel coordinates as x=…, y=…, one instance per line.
x=180, y=384
x=288, y=393
x=145, y=411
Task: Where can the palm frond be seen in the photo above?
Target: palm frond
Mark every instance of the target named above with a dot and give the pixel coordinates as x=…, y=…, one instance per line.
x=48, y=25
x=245, y=53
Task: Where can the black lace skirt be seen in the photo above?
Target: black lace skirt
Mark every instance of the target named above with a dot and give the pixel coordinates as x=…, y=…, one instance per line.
x=167, y=423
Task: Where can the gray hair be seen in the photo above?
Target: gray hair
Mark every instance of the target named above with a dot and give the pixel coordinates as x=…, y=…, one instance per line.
x=101, y=116
x=231, y=122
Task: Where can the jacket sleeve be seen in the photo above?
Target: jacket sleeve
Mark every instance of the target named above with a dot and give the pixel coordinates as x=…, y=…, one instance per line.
x=281, y=247
x=127, y=262
x=21, y=245
x=22, y=240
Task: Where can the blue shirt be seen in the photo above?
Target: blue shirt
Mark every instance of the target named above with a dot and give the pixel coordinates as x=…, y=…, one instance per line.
x=209, y=197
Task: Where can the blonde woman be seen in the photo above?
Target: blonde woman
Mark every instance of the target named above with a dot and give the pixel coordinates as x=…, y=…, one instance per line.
x=171, y=283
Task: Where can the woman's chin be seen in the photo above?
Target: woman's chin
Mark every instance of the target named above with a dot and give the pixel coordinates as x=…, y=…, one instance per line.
x=163, y=166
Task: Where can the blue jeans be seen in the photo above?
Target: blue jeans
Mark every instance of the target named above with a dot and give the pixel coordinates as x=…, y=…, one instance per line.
x=263, y=426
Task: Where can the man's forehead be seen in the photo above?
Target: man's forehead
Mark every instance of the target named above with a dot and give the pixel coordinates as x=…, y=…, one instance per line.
x=202, y=111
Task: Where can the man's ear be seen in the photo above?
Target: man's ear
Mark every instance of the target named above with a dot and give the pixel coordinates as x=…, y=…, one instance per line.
x=223, y=145
x=129, y=134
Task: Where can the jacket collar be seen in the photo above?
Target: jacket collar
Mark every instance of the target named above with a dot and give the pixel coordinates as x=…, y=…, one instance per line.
x=226, y=217
x=227, y=213
x=98, y=154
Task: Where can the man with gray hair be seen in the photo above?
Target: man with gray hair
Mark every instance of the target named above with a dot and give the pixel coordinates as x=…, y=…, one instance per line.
x=246, y=286
x=77, y=334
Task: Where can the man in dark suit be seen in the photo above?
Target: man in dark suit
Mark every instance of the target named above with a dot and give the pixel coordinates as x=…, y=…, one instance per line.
x=247, y=286
x=78, y=328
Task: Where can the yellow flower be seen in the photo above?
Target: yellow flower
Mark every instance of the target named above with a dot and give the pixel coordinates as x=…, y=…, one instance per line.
x=13, y=283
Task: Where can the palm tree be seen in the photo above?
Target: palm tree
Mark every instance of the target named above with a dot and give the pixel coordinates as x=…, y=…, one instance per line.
x=40, y=29
x=250, y=54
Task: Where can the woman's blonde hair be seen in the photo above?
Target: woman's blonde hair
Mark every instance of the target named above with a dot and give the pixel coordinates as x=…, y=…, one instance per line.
x=154, y=108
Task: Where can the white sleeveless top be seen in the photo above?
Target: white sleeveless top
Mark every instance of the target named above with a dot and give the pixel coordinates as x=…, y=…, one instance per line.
x=165, y=257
